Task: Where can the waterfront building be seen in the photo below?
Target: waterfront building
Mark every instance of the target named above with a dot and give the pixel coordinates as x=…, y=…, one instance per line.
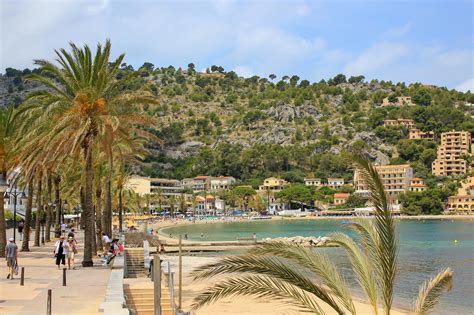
x=267, y=191
x=396, y=179
x=222, y=183
x=341, y=198
x=198, y=183
x=149, y=186
x=417, y=185
x=463, y=201
x=416, y=134
x=401, y=101
x=160, y=190
x=313, y=182
x=454, y=147
x=205, y=204
x=399, y=122
x=336, y=182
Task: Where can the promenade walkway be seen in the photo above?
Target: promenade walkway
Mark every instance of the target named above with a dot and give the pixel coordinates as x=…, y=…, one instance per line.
x=84, y=292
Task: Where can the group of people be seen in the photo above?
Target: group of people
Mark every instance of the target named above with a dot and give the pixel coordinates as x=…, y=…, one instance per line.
x=66, y=249
x=111, y=248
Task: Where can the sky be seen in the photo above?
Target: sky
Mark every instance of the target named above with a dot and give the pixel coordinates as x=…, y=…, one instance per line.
x=428, y=41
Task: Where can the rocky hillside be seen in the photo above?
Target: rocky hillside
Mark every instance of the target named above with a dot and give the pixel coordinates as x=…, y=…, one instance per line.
x=218, y=123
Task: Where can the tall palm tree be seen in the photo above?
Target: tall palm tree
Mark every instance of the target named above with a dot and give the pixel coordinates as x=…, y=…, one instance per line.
x=7, y=127
x=268, y=270
x=84, y=99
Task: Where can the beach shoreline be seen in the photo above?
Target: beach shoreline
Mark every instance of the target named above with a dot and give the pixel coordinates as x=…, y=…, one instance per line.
x=161, y=225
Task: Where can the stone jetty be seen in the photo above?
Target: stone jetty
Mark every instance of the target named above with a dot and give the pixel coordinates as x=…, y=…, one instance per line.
x=320, y=241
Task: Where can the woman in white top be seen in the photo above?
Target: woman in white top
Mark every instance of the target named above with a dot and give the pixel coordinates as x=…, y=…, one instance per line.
x=60, y=250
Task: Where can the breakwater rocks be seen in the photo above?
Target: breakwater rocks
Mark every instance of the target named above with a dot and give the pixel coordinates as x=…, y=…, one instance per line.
x=320, y=241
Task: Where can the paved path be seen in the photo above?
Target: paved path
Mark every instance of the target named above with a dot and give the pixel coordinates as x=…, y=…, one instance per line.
x=83, y=294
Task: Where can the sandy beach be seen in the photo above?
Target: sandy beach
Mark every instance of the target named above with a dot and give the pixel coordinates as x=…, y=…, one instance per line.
x=243, y=305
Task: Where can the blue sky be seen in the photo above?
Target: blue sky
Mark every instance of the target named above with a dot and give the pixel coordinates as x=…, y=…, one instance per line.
x=412, y=41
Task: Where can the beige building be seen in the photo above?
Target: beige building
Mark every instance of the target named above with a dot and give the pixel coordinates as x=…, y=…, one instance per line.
x=399, y=122
x=313, y=182
x=198, y=183
x=273, y=184
x=417, y=185
x=454, y=146
x=146, y=186
x=341, y=198
x=395, y=178
x=416, y=134
x=401, y=101
x=463, y=202
x=222, y=183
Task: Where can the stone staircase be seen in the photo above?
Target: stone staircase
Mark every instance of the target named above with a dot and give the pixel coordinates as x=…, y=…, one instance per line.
x=140, y=301
x=135, y=263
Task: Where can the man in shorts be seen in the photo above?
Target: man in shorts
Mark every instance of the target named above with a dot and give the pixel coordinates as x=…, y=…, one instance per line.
x=11, y=252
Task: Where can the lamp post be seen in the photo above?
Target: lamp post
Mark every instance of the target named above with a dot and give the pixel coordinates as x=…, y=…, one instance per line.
x=15, y=195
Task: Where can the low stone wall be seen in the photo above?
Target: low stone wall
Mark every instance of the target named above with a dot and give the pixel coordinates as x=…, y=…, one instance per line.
x=114, y=303
x=135, y=239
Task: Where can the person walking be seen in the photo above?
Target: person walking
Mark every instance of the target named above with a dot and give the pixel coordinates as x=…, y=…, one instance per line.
x=11, y=253
x=20, y=229
x=71, y=252
x=63, y=228
x=71, y=234
x=60, y=251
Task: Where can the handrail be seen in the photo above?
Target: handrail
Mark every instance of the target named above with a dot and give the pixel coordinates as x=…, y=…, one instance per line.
x=125, y=265
x=171, y=288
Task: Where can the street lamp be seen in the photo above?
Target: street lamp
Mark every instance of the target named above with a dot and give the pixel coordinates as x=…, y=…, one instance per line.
x=15, y=194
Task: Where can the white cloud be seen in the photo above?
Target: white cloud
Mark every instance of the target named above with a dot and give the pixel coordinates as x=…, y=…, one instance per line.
x=244, y=71
x=376, y=57
x=467, y=85
x=398, y=31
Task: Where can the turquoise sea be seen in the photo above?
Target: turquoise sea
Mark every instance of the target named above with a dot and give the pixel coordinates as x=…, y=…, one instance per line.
x=426, y=246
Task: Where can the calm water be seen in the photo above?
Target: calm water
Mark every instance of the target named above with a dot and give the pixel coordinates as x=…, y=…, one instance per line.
x=425, y=248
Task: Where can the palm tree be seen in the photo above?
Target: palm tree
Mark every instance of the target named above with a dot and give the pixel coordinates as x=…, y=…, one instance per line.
x=84, y=101
x=7, y=117
x=26, y=229
x=268, y=270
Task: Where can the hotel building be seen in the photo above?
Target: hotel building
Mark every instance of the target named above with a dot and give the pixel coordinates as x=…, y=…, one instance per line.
x=396, y=179
x=454, y=146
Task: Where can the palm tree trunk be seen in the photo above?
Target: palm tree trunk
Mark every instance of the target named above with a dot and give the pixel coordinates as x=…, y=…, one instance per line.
x=48, y=208
x=88, y=211
x=94, y=229
x=120, y=209
x=25, y=246
x=57, y=197
x=107, y=213
x=39, y=212
x=3, y=226
x=99, y=216
x=83, y=206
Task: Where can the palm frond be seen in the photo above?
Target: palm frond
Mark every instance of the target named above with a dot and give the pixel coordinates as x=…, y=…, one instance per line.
x=430, y=292
x=260, y=287
x=361, y=266
x=264, y=265
x=386, y=241
x=315, y=262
